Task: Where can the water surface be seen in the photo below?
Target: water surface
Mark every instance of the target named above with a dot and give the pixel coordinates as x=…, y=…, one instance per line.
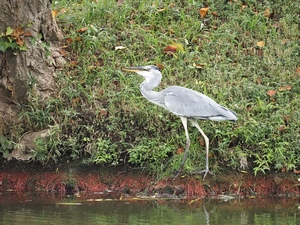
x=36, y=210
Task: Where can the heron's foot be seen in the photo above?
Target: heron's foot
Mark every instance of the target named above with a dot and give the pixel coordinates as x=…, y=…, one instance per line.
x=205, y=171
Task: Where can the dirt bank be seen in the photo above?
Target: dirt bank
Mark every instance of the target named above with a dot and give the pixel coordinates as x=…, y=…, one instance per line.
x=68, y=179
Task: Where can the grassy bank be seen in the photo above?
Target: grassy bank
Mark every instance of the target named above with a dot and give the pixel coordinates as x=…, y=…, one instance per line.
x=243, y=55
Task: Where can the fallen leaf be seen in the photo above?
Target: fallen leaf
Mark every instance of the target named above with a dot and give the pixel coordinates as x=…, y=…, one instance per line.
x=215, y=14
x=298, y=70
x=284, y=41
x=203, y=12
x=81, y=30
x=62, y=52
x=268, y=14
x=161, y=10
x=285, y=88
x=54, y=13
x=282, y=127
x=103, y=112
x=69, y=40
x=160, y=66
x=180, y=150
x=260, y=52
x=170, y=49
x=271, y=92
x=260, y=44
x=179, y=46
x=119, y=47
x=75, y=100
x=63, y=10
x=258, y=80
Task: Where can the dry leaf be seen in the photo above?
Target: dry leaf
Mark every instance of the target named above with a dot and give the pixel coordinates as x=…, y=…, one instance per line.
x=119, y=47
x=243, y=7
x=83, y=29
x=179, y=46
x=63, y=10
x=215, y=14
x=258, y=80
x=103, y=112
x=260, y=44
x=272, y=92
x=282, y=127
x=285, y=88
x=161, y=10
x=180, y=150
x=203, y=12
x=268, y=14
x=260, y=52
x=170, y=49
x=20, y=42
x=54, y=13
x=298, y=70
x=160, y=66
x=69, y=40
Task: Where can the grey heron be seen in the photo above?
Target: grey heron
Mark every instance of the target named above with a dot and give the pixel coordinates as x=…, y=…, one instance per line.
x=183, y=102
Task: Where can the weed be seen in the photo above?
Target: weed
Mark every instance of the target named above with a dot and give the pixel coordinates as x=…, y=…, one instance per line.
x=102, y=117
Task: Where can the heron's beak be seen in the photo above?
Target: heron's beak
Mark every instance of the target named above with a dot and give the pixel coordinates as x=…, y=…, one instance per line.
x=134, y=69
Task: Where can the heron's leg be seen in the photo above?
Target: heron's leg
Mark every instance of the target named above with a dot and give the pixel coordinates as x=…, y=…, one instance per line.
x=206, y=170
x=184, y=122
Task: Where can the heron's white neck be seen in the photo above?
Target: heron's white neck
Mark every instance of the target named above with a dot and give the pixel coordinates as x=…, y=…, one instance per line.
x=147, y=91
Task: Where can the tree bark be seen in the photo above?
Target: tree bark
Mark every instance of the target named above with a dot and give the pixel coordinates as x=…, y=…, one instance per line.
x=34, y=68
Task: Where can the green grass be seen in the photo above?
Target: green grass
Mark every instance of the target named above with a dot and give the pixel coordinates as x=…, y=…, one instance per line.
x=101, y=117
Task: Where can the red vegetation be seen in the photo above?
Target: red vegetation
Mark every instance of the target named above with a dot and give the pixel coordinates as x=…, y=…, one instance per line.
x=129, y=184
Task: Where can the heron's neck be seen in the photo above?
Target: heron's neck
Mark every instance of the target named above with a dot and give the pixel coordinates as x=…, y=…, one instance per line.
x=147, y=91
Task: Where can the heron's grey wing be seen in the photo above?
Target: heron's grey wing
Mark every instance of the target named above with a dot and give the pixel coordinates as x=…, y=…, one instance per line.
x=189, y=103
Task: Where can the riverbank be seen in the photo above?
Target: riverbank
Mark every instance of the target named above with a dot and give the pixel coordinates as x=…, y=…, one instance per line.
x=72, y=179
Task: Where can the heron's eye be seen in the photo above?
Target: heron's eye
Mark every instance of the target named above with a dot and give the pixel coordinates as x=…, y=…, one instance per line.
x=156, y=68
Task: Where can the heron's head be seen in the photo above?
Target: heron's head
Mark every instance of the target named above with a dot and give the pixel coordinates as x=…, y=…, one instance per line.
x=145, y=71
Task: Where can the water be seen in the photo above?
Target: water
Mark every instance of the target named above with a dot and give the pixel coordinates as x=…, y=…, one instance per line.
x=36, y=210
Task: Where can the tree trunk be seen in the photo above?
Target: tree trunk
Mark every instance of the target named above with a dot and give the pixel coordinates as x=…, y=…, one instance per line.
x=29, y=38
x=29, y=55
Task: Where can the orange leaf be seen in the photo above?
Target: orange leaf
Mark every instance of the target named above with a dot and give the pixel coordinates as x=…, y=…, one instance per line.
x=160, y=66
x=180, y=150
x=282, y=127
x=17, y=32
x=243, y=7
x=215, y=14
x=260, y=44
x=103, y=112
x=298, y=70
x=83, y=29
x=63, y=10
x=20, y=42
x=268, y=14
x=285, y=88
x=170, y=49
x=203, y=12
x=272, y=92
x=54, y=13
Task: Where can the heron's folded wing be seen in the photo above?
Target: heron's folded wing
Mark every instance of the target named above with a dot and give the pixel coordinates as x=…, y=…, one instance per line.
x=189, y=103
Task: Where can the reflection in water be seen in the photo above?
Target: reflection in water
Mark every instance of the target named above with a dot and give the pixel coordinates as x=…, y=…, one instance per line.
x=249, y=211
